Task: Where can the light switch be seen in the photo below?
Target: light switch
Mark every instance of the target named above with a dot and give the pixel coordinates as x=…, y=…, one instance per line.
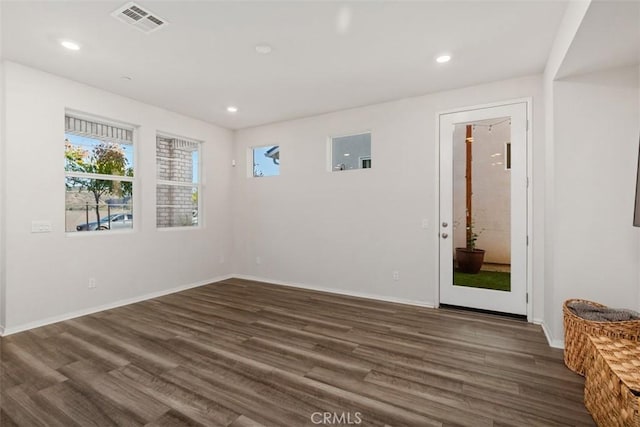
x=41, y=226
x=425, y=222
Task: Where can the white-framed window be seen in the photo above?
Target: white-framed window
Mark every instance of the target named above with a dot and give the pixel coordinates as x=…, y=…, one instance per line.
x=350, y=152
x=99, y=174
x=178, y=183
x=265, y=160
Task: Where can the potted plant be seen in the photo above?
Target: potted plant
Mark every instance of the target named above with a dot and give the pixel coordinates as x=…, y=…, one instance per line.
x=470, y=258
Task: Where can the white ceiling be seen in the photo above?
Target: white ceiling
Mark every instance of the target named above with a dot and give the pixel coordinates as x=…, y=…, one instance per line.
x=608, y=37
x=205, y=59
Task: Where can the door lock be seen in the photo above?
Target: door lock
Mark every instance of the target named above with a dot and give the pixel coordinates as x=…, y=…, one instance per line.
x=445, y=225
x=445, y=235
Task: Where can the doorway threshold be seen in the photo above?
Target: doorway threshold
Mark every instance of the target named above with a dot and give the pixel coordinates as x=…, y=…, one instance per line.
x=478, y=310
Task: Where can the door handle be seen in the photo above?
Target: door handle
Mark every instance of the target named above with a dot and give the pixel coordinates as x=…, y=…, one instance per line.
x=445, y=225
x=445, y=235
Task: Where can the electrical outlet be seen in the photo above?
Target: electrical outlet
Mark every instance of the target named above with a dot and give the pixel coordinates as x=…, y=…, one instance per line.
x=221, y=259
x=258, y=260
x=41, y=226
x=92, y=283
x=395, y=274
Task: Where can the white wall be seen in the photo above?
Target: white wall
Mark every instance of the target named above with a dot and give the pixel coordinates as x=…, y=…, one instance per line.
x=348, y=231
x=569, y=26
x=2, y=196
x=596, y=249
x=591, y=148
x=47, y=274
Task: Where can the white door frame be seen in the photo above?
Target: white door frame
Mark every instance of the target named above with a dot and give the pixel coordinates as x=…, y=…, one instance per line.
x=436, y=240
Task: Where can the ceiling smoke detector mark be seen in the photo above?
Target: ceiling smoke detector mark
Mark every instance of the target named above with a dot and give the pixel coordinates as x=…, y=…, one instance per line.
x=140, y=18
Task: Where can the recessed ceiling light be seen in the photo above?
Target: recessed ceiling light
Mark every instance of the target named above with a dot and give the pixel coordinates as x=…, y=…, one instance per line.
x=126, y=78
x=263, y=49
x=232, y=109
x=70, y=45
x=347, y=154
x=443, y=58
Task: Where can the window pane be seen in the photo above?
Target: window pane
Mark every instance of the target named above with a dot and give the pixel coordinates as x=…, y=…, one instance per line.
x=177, y=206
x=266, y=161
x=90, y=155
x=351, y=152
x=97, y=204
x=177, y=160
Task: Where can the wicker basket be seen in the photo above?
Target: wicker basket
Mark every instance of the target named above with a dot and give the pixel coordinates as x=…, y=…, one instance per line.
x=577, y=329
x=612, y=382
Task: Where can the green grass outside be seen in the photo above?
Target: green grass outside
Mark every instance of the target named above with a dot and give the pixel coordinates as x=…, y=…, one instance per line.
x=484, y=279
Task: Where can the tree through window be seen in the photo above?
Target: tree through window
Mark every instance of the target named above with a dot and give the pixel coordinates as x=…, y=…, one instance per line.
x=98, y=175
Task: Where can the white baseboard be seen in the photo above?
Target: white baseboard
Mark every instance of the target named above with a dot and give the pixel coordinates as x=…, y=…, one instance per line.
x=552, y=342
x=66, y=316
x=336, y=291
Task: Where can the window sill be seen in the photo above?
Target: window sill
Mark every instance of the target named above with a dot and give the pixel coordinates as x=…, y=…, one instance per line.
x=83, y=234
x=179, y=228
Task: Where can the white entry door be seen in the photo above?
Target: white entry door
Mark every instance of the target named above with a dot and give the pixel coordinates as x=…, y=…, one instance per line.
x=483, y=208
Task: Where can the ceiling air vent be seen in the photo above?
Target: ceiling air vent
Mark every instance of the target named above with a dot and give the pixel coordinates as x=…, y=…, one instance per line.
x=139, y=18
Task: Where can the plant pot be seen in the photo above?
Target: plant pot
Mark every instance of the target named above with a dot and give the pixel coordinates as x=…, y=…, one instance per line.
x=469, y=260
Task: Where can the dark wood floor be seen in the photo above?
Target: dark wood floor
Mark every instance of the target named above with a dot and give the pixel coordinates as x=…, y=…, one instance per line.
x=241, y=353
